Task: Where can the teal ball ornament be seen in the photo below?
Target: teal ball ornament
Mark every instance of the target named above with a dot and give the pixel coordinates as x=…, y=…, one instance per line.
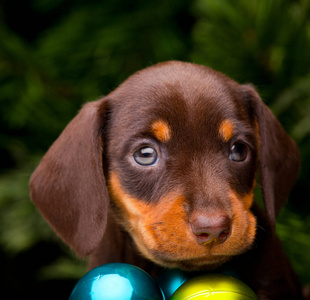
x=171, y=279
x=214, y=287
x=116, y=281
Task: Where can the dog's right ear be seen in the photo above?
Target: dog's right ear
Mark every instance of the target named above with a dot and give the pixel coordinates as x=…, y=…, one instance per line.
x=68, y=187
x=278, y=156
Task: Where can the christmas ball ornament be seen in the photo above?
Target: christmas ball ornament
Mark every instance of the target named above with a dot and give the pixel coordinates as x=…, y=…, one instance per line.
x=214, y=287
x=116, y=281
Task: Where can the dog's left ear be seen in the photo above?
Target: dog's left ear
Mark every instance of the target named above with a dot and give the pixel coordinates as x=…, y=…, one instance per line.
x=68, y=186
x=278, y=156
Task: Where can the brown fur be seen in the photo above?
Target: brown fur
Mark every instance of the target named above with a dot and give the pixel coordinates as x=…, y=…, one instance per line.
x=104, y=204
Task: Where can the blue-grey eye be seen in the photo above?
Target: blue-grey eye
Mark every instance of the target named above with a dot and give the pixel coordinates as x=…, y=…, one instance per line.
x=238, y=152
x=146, y=156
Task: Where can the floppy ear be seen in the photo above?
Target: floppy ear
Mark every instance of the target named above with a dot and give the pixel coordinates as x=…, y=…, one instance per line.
x=278, y=157
x=68, y=186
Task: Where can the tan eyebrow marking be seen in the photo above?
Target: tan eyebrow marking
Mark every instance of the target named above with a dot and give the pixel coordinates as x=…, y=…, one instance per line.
x=226, y=130
x=161, y=131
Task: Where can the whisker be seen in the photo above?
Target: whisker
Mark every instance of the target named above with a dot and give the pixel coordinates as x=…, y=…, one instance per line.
x=261, y=227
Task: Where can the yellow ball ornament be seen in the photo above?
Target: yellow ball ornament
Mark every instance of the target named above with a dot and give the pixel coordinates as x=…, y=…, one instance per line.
x=214, y=287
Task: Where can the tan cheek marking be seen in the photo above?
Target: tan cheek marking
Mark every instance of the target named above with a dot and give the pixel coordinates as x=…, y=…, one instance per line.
x=248, y=199
x=132, y=208
x=168, y=217
x=133, y=211
x=244, y=222
x=152, y=226
x=161, y=131
x=226, y=130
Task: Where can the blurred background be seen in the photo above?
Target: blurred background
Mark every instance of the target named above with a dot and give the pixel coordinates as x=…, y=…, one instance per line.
x=57, y=54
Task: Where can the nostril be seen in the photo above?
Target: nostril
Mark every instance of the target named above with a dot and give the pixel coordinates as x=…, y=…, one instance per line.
x=203, y=235
x=223, y=236
x=204, y=238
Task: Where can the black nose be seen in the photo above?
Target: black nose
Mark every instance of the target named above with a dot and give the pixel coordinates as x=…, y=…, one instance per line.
x=211, y=228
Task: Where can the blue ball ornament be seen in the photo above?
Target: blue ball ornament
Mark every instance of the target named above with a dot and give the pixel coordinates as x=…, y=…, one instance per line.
x=116, y=281
x=171, y=279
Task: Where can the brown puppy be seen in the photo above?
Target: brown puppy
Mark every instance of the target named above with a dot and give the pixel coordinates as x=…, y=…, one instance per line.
x=162, y=171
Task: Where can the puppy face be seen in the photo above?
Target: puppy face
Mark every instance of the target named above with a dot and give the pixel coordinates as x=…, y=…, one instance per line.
x=182, y=166
x=173, y=152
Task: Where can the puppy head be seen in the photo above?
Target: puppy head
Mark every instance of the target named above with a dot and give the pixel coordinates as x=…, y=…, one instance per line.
x=175, y=150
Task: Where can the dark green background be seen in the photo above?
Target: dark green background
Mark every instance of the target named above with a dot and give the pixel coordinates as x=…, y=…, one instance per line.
x=57, y=54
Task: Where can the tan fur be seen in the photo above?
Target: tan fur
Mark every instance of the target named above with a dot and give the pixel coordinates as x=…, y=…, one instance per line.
x=163, y=227
x=161, y=131
x=226, y=130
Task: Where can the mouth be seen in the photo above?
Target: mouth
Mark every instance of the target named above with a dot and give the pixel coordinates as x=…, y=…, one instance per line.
x=195, y=263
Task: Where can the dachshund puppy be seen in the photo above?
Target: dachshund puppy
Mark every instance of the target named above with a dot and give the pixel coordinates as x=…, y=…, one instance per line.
x=162, y=172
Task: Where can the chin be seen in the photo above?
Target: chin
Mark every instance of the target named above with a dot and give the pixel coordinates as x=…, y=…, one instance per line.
x=193, y=264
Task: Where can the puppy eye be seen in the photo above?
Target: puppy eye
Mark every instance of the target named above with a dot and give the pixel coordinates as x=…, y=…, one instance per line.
x=238, y=152
x=145, y=156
